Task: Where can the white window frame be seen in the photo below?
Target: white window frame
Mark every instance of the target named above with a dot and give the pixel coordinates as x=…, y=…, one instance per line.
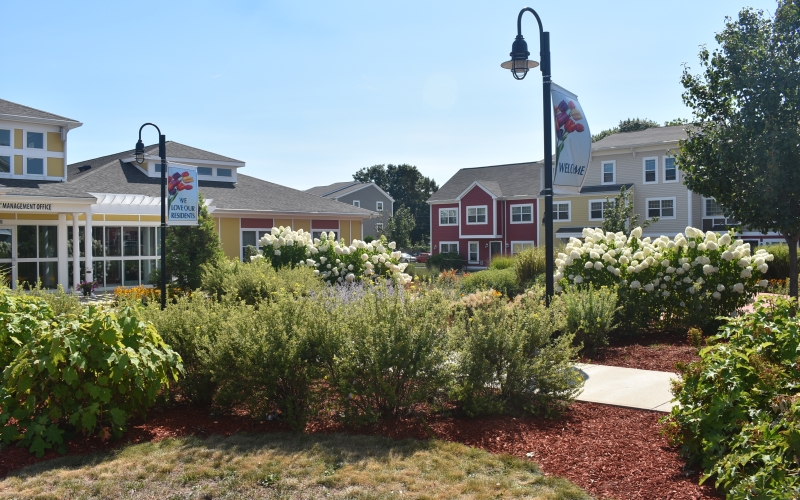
x=603, y=200
x=613, y=171
x=379, y=206
x=569, y=211
x=521, y=242
x=379, y=227
x=25, y=164
x=477, y=252
x=705, y=209
x=485, y=215
x=25, y=139
x=441, y=243
x=205, y=175
x=511, y=214
x=357, y=203
x=644, y=169
x=230, y=169
x=318, y=233
x=258, y=240
x=664, y=169
x=660, y=217
x=454, y=209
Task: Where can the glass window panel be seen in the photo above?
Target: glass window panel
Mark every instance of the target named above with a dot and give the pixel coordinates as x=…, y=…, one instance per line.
x=81, y=272
x=473, y=252
x=379, y=206
x=5, y=243
x=357, y=203
x=48, y=242
x=596, y=210
x=712, y=208
x=27, y=273
x=26, y=242
x=667, y=210
x=5, y=137
x=48, y=274
x=36, y=140
x=35, y=166
x=131, y=273
x=670, y=172
x=97, y=241
x=608, y=172
x=113, y=237
x=149, y=235
x=148, y=268
x=204, y=171
x=5, y=273
x=248, y=238
x=224, y=172
x=650, y=170
x=158, y=167
x=130, y=238
x=81, y=238
x=99, y=272
x=113, y=273
x=5, y=164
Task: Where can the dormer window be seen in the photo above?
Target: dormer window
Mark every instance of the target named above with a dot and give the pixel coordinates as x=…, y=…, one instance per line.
x=205, y=171
x=224, y=172
x=35, y=140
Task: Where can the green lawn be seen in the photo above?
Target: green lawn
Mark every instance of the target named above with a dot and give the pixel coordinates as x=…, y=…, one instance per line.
x=281, y=465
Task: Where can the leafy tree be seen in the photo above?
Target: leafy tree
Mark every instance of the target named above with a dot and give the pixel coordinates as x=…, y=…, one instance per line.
x=189, y=247
x=400, y=226
x=629, y=125
x=619, y=216
x=744, y=150
x=676, y=121
x=408, y=187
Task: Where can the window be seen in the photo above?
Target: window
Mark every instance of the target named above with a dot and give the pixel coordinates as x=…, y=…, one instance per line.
x=5, y=164
x=448, y=216
x=36, y=166
x=664, y=208
x=205, y=171
x=317, y=234
x=37, y=251
x=561, y=211
x=597, y=209
x=379, y=206
x=357, y=203
x=5, y=137
x=473, y=251
x=670, y=170
x=252, y=238
x=609, y=172
x=36, y=140
x=650, y=170
x=224, y=172
x=519, y=246
x=448, y=247
x=713, y=209
x=476, y=215
x=379, y=227
x=521, y=214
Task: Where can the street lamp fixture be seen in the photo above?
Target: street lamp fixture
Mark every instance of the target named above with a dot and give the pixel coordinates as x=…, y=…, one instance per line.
x=519, y=66
x=162, y=152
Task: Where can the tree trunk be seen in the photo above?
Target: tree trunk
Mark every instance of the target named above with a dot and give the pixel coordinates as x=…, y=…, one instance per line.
x=792, y=242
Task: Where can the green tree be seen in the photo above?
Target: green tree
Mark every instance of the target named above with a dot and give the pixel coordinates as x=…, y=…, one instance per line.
x=629, y=125
x=189, y=247
x=400, y=226
x=676, y=121
x=409, y=188
x=744, y=150
x=618, y=215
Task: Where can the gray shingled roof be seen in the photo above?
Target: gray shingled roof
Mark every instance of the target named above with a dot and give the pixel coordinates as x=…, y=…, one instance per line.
x=504, y=181
x=655, y=135
x=335, y=189
x=31, y=187
x=14, y=109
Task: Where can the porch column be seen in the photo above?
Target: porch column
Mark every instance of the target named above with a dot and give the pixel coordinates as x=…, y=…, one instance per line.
x=63, y=276
x=76, y=252
x=88, y=276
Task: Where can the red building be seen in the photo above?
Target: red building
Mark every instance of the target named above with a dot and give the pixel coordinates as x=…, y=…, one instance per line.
x=487, y=211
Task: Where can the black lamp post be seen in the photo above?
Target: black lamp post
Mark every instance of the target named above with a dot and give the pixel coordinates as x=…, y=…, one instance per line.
x=162, y=152
x=519, y=66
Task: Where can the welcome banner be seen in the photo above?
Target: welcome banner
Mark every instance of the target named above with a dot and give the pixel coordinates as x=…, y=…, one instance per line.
x=183, y=207
x=573, y=141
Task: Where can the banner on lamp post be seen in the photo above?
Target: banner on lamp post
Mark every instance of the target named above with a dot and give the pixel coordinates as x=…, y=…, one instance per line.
x=573, y=141
x=183, y=208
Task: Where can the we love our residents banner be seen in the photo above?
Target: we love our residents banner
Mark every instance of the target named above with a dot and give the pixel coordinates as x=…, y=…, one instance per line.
x=573, y=141
x=183, y=207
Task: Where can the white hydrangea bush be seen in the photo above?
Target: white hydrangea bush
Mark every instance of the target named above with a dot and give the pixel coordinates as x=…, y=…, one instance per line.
x=332, y=260
x=692, y=277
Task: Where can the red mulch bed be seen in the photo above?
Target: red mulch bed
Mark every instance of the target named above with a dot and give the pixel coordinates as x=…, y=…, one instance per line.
x=652, y=351
x=611, y=452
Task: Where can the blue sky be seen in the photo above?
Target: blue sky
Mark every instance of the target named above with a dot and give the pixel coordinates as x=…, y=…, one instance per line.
x=309, y=92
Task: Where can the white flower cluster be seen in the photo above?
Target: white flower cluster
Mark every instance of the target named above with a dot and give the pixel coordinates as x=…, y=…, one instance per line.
x=686, y=265
x=332, y=260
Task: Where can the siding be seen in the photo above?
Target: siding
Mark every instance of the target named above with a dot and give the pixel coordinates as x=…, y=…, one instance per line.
x=441, y=233
x=368, y=197
x=477, y=197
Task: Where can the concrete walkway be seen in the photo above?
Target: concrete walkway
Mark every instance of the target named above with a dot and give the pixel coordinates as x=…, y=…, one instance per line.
x=627, y=387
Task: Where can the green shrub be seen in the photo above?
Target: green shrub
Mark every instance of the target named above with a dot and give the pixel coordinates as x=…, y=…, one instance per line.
x=529, y=264
x=256, y=281
x=249, y=252
x=589, y=314
x=779, y=267
x=76, y=373
x=445, y=261
x=60, y=302
x=739, y=417
x=502, y=262
x=507, y=358
x=504, y=281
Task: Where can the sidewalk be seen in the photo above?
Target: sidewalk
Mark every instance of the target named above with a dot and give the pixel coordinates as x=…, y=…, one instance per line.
x=627, y=387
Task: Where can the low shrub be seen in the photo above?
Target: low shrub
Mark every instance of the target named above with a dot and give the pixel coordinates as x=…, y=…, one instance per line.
x=779, y=267
x=739, y=413
x=530, y=264
x=589, y=314
x=502, y=262
x=85, y=373
x=507, y=358
x=501, y=280
x=60, y=301
x=445, y=261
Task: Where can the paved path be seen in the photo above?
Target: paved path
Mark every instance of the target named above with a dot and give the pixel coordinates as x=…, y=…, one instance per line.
x=627, y=387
